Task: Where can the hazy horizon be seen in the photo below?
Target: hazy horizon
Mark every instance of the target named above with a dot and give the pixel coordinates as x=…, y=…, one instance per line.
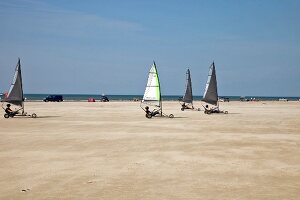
x=163, y=95
x=109, y=46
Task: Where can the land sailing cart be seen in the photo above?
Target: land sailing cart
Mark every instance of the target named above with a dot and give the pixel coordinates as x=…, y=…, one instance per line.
x=211, y=93
x=15, y=96
x=152, y=103
x=186, y=101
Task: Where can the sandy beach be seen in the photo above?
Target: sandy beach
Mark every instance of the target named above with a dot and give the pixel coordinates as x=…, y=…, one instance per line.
x=81, y=150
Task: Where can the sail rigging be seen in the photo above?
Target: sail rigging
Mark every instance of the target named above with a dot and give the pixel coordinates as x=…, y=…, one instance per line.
x=211, y=91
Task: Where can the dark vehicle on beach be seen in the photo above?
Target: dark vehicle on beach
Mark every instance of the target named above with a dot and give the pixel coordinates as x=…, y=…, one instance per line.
x=226, y=99
x=104, y=99
x=56, y=98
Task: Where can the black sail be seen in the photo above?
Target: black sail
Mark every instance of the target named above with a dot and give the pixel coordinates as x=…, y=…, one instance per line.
x=15, y=94
x=211, y=90
x=188, y=96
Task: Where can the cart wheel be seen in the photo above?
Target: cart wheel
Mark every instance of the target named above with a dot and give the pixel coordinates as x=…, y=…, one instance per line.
x=148, y=115
x=33, y=115
x=171, y=116
x=207, y=112
x=226, y=112
x=199, y=109
x=6, y=115
x=182, y=109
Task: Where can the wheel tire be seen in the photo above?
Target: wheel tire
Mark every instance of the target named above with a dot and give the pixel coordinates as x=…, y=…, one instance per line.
x=226, y=112
x=207, y=112
x=171, y=116
x=33, y=115
x=149, y=116
x=6, y=115
x=182, y=109
x=199, y=109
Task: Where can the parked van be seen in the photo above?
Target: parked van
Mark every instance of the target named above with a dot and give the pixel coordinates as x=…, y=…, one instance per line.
x=56, y=98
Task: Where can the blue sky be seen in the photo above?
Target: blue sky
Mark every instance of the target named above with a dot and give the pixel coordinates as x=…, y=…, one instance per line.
x=96, y=47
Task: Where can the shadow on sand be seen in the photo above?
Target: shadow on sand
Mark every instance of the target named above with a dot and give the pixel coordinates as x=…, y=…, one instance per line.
x=28, y=117
x=179, y=117
x=42, y=117
x=225, y=114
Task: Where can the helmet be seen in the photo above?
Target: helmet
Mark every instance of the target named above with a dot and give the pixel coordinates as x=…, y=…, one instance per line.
x=147, y=107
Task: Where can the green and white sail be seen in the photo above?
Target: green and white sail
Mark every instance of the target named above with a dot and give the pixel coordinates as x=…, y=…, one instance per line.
x=152, y=93
x=15, y=94
x=211, y=90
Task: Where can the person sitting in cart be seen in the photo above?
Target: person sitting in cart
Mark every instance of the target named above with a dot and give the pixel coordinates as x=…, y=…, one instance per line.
x=213, y=110
x=8, y=110
x=155, y=112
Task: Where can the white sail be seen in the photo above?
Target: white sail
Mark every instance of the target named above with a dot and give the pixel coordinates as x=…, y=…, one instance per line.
x=152, y=93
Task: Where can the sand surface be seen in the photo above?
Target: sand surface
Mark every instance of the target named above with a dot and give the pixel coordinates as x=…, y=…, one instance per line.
x=81, y=150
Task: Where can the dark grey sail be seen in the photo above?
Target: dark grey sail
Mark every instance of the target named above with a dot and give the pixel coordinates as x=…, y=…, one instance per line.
x=15, y=94
x=211, y=91
x=188, y=96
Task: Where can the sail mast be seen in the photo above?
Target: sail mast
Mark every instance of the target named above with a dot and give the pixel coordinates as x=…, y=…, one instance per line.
x=160, y=102
x=20, y=73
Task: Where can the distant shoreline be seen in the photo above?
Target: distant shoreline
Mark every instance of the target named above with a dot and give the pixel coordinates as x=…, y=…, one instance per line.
x=85, y=97
x=168, y=100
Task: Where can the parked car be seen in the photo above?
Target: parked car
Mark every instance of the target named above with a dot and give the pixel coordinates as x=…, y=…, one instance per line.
x=104, y=98
x=224, y=99
x=56, y=98
x=283, y=99
x=91, y=100
x=242, y=98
